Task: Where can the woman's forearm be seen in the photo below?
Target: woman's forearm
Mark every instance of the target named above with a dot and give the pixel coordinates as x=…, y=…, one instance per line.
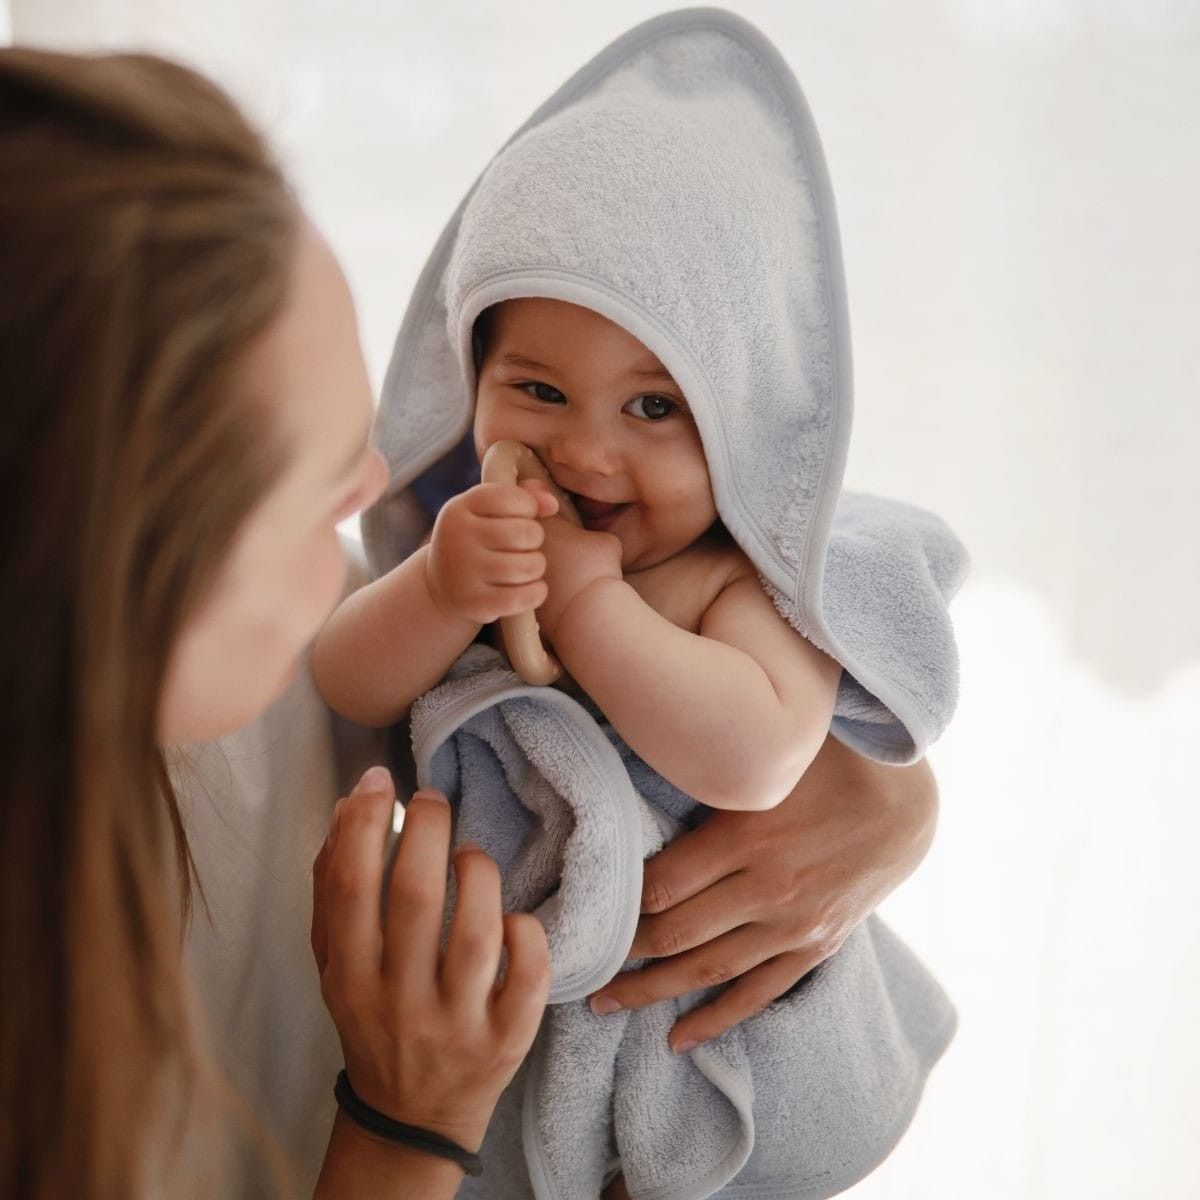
x=359, y=1166
x=903, y=800
x=387, y=644
x=885, y=821
x=703, y=714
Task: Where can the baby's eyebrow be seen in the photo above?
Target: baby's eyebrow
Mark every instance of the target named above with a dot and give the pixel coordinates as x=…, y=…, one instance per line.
x=519, y=360
x=657, y=374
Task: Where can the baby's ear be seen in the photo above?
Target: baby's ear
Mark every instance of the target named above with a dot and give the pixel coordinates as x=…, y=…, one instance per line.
x=547, y=501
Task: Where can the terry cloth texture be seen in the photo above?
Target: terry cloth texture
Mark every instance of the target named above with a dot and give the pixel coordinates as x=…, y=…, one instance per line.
x=676, y=186
x=800, y=1101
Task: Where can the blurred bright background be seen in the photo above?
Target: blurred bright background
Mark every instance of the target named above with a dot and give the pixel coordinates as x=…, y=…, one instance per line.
x=1018, y=185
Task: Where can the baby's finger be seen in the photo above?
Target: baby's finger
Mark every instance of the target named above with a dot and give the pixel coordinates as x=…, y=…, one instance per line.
x=512, y=600
x=513, y=568
x=502, y=500
x=417, y=892
x=512, y=533
x=547, y=501
x=519, y=1002
x=351, y=878
x=476, y=931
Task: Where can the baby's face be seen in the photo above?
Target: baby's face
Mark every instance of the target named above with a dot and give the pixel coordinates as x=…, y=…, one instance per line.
x=606, y=419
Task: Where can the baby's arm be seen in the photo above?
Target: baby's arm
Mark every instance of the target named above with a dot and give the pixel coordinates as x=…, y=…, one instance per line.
x=732, y=715
x=393, y=640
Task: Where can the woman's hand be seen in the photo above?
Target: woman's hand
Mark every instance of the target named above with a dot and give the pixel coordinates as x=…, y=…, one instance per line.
x=757, y=899
x=429, y=1037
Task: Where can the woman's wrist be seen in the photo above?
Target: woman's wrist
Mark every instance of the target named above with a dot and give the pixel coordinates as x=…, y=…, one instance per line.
x=360, y=1165
x=433, y=1141
x=896, y=810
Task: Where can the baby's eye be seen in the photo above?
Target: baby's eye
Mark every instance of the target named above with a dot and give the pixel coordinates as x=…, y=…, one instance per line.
x=652, y=407
x=544, y=392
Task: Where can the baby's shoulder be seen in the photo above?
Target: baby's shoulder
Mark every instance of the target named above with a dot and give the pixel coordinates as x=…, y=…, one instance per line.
x=720, y=557
x=684, y=587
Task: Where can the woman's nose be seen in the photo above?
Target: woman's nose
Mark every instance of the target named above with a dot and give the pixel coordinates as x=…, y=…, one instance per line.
x=376, y=478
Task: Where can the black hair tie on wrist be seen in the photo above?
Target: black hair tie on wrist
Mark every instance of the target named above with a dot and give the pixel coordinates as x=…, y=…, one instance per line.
x=382, y=1126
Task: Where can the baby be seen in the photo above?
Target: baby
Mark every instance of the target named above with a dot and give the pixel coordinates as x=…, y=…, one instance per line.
x=645, y=289
x=651, y=607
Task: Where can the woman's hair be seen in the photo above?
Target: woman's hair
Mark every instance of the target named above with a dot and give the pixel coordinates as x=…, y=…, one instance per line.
x=146, y=240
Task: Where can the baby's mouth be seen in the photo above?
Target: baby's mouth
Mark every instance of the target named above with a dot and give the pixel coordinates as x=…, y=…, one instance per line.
x=596, y=514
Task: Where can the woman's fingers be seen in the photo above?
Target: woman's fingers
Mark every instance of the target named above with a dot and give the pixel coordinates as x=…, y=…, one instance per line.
x=351, y=879
x=318, y=935
x=519, y=1002
x=472, y=955
x=748, y=995
x=689, y=865
x=416, y=894
x=713, y=963
x=727, y=904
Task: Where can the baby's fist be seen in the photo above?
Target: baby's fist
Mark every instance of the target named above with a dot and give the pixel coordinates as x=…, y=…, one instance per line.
x=485, y=559
x=575, y=558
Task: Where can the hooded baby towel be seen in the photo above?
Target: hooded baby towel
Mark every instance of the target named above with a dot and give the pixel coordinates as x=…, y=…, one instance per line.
x=675, y=185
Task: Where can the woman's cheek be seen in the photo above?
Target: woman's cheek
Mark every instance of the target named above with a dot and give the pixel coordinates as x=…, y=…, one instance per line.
x=322, y=578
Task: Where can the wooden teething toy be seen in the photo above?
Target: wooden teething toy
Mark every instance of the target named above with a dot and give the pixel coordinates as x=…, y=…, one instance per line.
x=510, y=462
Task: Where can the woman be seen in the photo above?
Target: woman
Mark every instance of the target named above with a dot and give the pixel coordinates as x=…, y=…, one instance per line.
x=185, y=422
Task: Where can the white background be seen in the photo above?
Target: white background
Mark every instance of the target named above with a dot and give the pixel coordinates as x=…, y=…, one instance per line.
x=1018, y=185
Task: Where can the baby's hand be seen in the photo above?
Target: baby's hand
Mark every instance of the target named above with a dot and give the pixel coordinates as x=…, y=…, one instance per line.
x=485, y=560
x=575, y=558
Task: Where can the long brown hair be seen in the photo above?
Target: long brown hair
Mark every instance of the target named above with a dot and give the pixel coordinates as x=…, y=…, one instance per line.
x=146, y=239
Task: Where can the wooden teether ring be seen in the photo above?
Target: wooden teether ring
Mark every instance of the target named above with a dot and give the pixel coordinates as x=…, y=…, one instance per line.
x=510, y=462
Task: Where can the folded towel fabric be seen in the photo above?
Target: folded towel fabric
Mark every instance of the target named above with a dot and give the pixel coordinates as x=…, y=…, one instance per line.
x=800, y=1101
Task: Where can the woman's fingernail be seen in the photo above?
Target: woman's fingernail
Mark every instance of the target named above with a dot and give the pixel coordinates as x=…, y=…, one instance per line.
x=605, y=1004
x=684, y=1047
x=375, y=779
x=430, y=794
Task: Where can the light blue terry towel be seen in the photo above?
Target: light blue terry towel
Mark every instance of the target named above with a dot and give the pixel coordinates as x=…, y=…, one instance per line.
x=675, y=185
x=800, y=1101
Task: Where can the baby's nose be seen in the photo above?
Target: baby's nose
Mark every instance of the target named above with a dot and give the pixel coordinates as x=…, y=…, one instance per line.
x=583, y=452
